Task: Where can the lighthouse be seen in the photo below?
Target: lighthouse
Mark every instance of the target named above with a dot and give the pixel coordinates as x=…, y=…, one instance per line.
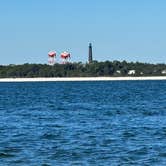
x=90, y=59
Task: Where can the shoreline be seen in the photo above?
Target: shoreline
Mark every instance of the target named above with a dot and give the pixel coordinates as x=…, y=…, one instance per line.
x=64, y=79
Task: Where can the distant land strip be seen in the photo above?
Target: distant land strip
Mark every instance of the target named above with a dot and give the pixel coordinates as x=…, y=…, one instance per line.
x=53, y=79
x=79, y=70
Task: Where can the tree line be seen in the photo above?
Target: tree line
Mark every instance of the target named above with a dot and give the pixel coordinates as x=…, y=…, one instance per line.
x=95, y=69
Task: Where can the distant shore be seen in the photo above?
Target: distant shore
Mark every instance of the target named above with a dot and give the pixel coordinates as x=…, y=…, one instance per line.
x=58, y=79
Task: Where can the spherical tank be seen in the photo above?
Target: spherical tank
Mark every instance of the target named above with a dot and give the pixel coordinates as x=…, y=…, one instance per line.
x=65, y=55
x=52, y=54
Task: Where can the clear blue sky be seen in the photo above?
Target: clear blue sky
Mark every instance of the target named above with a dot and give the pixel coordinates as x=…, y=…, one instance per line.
x=132, y=30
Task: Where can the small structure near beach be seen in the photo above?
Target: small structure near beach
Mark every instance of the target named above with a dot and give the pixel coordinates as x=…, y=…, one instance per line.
x=163, y=72
x=131, y=72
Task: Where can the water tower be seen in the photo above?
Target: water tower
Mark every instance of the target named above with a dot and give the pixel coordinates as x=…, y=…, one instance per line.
x=51, y=58
x=65, y=56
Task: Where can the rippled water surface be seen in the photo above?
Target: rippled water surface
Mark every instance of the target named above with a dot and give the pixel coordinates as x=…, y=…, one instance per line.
x=83, y=123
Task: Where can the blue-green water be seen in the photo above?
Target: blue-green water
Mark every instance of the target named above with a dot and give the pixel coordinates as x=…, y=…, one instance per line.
x=83, y=123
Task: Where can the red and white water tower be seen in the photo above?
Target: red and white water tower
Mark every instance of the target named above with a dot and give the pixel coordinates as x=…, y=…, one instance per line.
x=65, y=56
x=51, y=58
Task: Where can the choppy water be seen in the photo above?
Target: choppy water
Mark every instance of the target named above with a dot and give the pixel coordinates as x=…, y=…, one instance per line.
x=83, y=123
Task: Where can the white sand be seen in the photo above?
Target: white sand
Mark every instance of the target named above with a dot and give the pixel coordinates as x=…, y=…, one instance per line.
x=80, y=79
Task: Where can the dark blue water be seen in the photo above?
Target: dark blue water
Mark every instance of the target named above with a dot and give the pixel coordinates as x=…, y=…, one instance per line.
x=83, y=123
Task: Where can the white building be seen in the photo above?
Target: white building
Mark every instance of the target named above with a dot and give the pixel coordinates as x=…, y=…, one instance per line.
x=118, y=71
x=131, y=72
x=163, y=72
x=141, y=73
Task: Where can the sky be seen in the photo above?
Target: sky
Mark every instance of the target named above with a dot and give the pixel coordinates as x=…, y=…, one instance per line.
x=131, y=30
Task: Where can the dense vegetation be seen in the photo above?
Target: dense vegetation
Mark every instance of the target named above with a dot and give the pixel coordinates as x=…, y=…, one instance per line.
x=94, y=69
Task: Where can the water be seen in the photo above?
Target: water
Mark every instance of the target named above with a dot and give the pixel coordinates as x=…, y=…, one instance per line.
x=83, y=123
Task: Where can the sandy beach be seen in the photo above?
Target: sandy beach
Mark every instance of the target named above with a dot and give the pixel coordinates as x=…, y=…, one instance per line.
x=54, y=79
